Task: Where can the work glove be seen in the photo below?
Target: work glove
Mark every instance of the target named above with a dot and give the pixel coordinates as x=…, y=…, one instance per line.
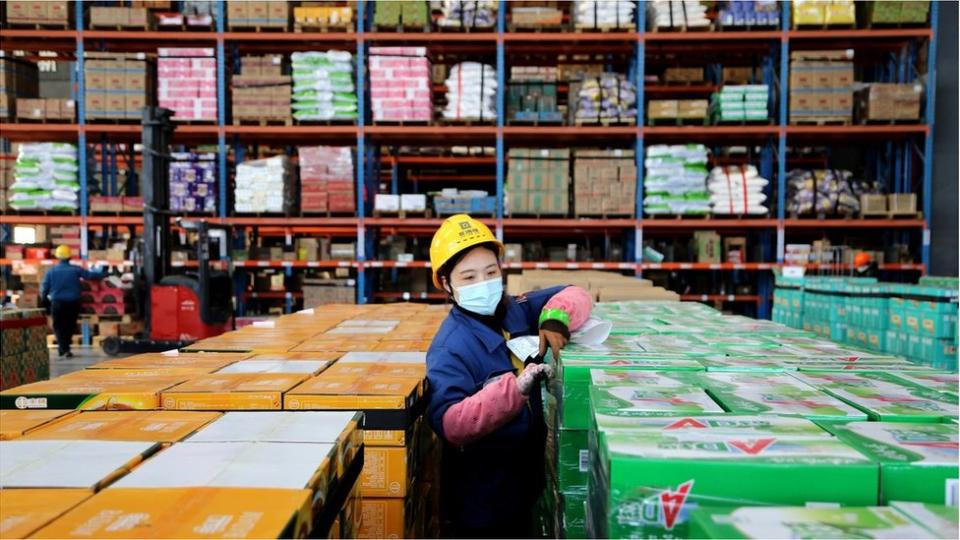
x=553, y=334
x=531, y=375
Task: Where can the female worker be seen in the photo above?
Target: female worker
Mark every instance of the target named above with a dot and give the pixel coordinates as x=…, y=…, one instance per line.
x=483, y=402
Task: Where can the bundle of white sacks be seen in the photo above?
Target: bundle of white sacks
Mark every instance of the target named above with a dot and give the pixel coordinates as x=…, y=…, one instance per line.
x=737, y=189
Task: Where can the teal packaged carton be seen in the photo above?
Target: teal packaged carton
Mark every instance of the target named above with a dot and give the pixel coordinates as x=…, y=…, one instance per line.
x=647, y=485
x=747, y=393
x=941, y=521
x=941, y=353
x=884, y=397
x=918, y=462
x=801, y=522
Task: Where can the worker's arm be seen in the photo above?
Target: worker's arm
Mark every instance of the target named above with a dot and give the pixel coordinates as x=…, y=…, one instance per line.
x=556, y=312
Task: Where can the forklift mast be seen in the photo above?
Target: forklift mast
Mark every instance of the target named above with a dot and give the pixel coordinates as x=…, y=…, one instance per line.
x=155, y=186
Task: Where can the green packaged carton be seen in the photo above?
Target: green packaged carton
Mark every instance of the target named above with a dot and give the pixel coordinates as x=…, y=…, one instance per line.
x=574, y=514
x=940, y=520
x=884, y=397
x=918, y=462
x=649, y=401
x=721, y=424
x=941, y=381
x=573, y=464
x=804, y=523
x=646, y=485
x=748, y=393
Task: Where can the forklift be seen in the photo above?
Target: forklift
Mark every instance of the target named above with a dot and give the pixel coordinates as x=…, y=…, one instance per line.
x=178, y=309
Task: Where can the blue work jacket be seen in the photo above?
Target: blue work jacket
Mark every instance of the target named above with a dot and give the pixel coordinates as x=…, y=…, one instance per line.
x=62, y=282
x=501, y=475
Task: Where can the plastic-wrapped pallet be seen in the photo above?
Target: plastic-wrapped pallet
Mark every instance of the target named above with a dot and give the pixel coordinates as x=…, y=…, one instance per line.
x=609, y=97
x=265, y=185
x=45, y=178
x=193, y=179
x=674, y=14
x=750, y=13
x=471, y=92
x=466, y=14
x=825, y=192
x=326, y=179
x=400, y=87
x=187, y=83
x=323, y=86
x=741, y=103
x=604, y=14
x=406, y=13
x=675, y=180
x=737, y=190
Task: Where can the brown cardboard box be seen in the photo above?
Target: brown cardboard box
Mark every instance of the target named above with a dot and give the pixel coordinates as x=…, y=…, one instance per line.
x=38, y=11
x=116, y=78
x=51, y=108
x=735, y=249
x=801, y=77
x=18, y=10
x=841, y=75
x=740, y=75
x=135, y=80
x=842, y=100
x=33, y=109
x=134, y=103
x=707, y=246
x=258, y=11
x=115, y=102
x=278, y=13
x=662, y=108
x=59, y=10
x=683, y=74
x=238, y=12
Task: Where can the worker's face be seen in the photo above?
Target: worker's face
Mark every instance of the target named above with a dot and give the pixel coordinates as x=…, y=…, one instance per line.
x=478, y=265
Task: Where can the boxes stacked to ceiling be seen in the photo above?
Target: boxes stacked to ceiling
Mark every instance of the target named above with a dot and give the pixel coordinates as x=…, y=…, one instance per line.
x=265, y=185
x=471, y=92
x=326, y=179
x=538, y=181
x=193, y=180
x=323, y=87
x=675, y=182
x=45, y=178
x=187, y=83
x=400, y=88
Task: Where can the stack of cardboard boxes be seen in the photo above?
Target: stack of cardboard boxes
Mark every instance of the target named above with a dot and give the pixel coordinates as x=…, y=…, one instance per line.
x=49, y=109
x=888, y=101
x=818, y=13
x=683, y=75
x=894, y=12
x=18, y=79
x=326, y=179
x=118, y=85
x=261, y=91
x=106, y=298
x=6, y=177
x=52, y=13
x=538, y=181
x=677, y=109
x=193, y=180
x=321, y=17
x=406, y=13
x=821, y=86
x=247, y=14
x=604, y=182
x=25, y=358
x=603, y=286
x=115, y=18
x=400, y=84
x=187, y=83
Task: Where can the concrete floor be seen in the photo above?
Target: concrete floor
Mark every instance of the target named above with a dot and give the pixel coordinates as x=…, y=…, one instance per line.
x=82, y=358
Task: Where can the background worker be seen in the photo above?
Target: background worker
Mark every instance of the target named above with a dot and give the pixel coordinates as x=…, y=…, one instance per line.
x=864, y=265
x=483, y=402
x=62, y=285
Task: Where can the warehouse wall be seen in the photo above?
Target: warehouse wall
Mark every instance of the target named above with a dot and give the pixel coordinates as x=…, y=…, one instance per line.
x=943, y=222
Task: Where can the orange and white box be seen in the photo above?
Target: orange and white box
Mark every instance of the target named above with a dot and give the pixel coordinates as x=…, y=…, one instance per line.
x=232, y=392
x=15, y=423
x=68, y=464
x=24, y=511
x=147, y=426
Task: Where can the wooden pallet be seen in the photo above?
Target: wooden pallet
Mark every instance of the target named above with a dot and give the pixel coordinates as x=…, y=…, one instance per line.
x=122, y=27
x=263, y=121
x=605, y=122
x=260, y=29
x=419, y=123
x=675, y=217
x=403, y=214
x=300, y=27
x=891, y=215
x=889, y=121
x=534, y=122
x=332, y=122
x=764, y=122
x=102, y=120
x=326, y=213
x=822, y=121
x=23, y=120
x=681, y=28
x=465, y=29
x=824, y=26
x=605, y=29
x=466, y=122
x=653, y=122
x=93, y=318
x=536, y=29
x=403, y=28
x=194, y=122
x=604, y=215
x=40, y=25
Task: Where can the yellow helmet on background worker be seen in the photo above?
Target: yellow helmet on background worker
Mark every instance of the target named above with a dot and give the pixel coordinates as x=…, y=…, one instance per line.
x=458, y=233
x=62, y=252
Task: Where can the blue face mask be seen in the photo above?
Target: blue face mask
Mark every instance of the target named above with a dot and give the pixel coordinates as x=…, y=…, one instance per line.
x=480, y=298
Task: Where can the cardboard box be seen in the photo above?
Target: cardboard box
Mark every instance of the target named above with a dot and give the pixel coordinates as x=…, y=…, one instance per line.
x=200, y=513
x=77, y=392
x=885, y=397
x=68, y=464
x=387, y=403
x=386, y=518
x=782, y=394
x=918, y=462
x=707, y=246
x=735, y=249
x=155, y=426
x=207, y=361
x=388, y=471
x=305, y=367
x=25, y=511
x=232, y=391
x=16, y=423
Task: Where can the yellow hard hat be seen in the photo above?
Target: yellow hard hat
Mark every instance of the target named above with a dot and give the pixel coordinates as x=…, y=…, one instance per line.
x=62, y=252
x=456, y=234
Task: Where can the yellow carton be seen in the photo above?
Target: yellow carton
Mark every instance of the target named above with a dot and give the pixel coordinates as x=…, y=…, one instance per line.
x=208, y=361
x=232, y=391
x=89, y=393
x=24, y=511
x=386, y=518
x=349, y=519
x=388, y=471
x=187, y=513
x=155, y=426
x=388, y=403
x=15, y=424
x=400, y=343
x=338, y=344
x=325, y=356
x=377, y=371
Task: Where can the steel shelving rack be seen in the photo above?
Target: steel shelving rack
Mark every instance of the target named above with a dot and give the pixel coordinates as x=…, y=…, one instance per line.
x=366, y=137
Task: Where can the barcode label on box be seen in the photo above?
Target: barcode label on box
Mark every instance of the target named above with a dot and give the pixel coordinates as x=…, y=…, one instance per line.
x=584, y=461
x=951, y=495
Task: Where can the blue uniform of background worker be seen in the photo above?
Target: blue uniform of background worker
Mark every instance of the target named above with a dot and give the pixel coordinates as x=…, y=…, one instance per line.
x=62, y=284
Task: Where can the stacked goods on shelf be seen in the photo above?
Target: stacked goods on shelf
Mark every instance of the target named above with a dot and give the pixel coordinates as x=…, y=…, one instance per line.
x=823, y=13
x=538, y=181
x=677, y=109
x=675, y=182
x=603, y=15
x=261, y=91
x=197, y=13
x=740, y=75
x=321, y=17
x=66, y=235
x=471, y=92
x=193, y=179
x=25, y=358
x=907, y=520
x=400, y=88
x=604, y=182
x=885, y=101
x=46, y=109
x=107, y=297
x=894, y=12
x=265, y=185
x=824, y=192
x=187, y=83
x=683, y=15
x=117, y=85
x=737, y=190
x=536, y=16
x=609, y=97
x=407, y=202
x=603, y=286
x=323, y=87
x=18, y=79
x=745, y=103
x=45, y=178
x=6, y=178
x=452, y=201
x=413, y=14
x=55, y=13
x=683, y=75
x=750, y=14
x=923, y=323
x=821, y=86
x=257, y=15
x=532, y=94
x=321, y=292
x=115, y=18
x=326, y=179
x=466, y=14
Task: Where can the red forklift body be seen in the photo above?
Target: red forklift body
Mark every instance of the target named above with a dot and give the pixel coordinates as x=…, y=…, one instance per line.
x=176, y=315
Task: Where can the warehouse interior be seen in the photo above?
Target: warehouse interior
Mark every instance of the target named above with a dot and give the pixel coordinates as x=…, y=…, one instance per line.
x=732, y=225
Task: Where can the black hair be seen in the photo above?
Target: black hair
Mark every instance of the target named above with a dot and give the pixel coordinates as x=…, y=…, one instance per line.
x=447, y=268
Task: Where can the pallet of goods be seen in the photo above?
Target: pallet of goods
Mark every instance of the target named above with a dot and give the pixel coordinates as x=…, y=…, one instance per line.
x=261, y=92
x=122, y=18
x=258, y=16
x=25, y=358
x=187, y=83
x=821, y=87
x=40, y=14
x=401, y=15
x=604, y=183
x=538, y=181
x=118, y=85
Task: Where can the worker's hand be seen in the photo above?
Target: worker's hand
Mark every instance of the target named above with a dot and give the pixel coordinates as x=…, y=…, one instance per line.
x=531, y=375
x=555, y=340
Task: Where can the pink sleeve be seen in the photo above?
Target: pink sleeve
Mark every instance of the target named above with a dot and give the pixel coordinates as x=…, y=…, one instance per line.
x=576, y=302
x=484, y=412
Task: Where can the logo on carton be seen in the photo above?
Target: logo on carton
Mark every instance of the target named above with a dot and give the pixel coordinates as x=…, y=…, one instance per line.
x=755, y=448
x=672, y=502
x=686, y=423
x=24, y=402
